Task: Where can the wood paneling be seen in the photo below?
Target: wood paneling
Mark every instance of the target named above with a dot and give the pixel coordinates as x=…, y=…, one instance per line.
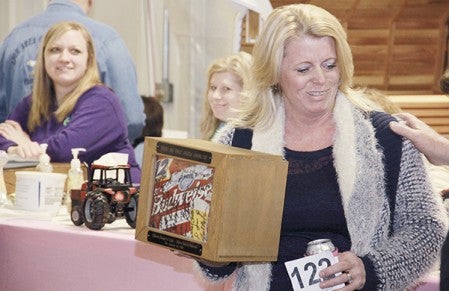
x=399, y=46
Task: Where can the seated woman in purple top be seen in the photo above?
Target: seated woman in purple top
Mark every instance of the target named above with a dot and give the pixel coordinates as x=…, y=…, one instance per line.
x=69, y=106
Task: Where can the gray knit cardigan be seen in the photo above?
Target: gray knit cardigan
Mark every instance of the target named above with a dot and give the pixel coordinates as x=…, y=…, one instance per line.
x=420, y=221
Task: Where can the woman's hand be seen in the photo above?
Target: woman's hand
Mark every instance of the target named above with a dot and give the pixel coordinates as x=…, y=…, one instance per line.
x=352, y=273
x=433, y=145
x=12, y=130
x=203, y=261
x=26, y=148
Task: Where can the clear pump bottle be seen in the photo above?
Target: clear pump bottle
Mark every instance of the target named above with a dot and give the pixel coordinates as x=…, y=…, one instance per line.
x=75, y=177
x=44, y=164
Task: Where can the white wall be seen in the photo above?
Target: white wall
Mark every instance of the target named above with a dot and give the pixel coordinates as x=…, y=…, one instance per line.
x=200, y=31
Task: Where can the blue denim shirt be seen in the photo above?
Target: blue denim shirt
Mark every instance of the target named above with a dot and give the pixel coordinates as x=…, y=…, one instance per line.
x=19, y=49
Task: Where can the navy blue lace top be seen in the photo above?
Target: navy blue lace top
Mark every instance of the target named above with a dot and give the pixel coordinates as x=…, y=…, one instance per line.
x=312, y=210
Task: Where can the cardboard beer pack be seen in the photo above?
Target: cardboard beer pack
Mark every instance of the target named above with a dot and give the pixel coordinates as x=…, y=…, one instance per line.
x=211, y=201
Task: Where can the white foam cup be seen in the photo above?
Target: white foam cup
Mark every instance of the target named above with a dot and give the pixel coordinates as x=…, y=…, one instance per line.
x=39, y=191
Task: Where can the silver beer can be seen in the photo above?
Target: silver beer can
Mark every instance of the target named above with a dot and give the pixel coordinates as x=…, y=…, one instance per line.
x=319, y=245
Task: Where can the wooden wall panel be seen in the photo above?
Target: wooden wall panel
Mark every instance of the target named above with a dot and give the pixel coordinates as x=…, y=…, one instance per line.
x=399, y=46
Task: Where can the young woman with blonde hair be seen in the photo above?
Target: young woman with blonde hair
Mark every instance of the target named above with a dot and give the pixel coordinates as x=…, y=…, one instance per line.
x=69, y=106
x=227, y=77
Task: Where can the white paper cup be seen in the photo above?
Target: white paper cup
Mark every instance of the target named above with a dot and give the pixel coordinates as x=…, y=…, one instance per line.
x=38, y=191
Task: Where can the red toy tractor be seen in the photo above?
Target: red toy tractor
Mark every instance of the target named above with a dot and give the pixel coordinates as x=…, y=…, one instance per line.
x=107, y=194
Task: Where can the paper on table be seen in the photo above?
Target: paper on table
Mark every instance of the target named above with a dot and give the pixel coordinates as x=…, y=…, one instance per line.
x=14, y=161
x=112, y=159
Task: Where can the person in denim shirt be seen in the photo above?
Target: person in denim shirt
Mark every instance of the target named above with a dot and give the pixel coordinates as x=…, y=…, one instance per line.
x=226, y=78
x=19, y=49
x=69, y=106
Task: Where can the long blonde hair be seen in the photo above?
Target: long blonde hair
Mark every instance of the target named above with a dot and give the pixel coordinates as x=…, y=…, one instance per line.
x=284, y=24
x=43, y=97
x=238, y=64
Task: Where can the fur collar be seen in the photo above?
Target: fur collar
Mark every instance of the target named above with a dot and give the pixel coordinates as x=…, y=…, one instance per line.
x=360, y=171
x=353, y=142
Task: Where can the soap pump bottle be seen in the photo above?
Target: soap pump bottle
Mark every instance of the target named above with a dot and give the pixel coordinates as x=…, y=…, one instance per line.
x=44, y=164
x=75, y=177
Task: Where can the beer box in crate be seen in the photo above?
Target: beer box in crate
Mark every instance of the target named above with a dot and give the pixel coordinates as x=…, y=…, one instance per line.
x=211, y=201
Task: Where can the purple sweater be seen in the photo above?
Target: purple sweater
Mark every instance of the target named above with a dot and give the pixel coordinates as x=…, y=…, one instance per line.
x=97, y=123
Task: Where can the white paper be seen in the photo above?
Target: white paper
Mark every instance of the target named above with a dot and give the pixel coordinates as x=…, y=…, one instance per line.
x=303, y=273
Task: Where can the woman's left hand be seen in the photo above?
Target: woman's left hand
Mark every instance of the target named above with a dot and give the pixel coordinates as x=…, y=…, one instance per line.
x=352, y=273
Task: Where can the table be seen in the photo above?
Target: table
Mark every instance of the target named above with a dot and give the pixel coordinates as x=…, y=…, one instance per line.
x=9, y=175
x=43, y=252
x=46, y=252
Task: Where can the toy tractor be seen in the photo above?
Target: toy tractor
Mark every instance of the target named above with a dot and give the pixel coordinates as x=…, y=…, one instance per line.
x=106, y=195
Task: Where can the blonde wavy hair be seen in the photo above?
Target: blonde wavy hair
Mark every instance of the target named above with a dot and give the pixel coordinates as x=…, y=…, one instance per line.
x=43, y=96
x=238, y=64
x=284, y=24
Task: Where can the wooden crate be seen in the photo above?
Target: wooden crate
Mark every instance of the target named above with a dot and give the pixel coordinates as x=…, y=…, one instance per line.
x=211, y=201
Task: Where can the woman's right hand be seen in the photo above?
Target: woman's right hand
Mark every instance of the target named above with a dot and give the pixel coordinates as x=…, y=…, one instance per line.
x=433, y=145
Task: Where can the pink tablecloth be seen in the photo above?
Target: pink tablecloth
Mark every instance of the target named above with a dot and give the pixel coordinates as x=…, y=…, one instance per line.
x=45, y=255
x=48, y=255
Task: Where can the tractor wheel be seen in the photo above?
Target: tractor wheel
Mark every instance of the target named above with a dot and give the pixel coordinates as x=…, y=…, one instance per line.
x=111, y=218
x=131, y=213
x=76, y=215
x=96, y=210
